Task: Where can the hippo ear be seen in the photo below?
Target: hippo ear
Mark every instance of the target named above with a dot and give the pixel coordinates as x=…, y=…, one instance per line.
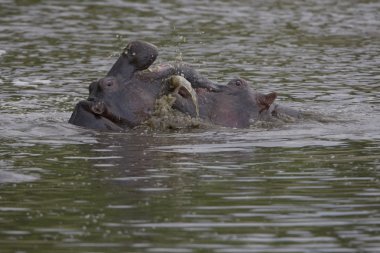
x=138, y=55
x=265, y=101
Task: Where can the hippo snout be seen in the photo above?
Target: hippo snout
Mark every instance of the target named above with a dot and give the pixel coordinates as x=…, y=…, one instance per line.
x=84, y=115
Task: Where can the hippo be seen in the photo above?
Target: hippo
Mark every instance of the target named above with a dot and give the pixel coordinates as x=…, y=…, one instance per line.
x=234, y=105
x=125, y=98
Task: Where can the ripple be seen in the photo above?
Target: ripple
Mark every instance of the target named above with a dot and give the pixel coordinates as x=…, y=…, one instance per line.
x=13, y=177
x=13, y=209
x=305, y=186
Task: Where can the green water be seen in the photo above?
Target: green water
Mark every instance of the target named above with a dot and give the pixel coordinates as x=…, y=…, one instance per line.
x=308, y=186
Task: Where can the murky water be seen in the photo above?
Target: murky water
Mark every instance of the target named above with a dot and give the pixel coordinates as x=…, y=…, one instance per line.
x=309, y=186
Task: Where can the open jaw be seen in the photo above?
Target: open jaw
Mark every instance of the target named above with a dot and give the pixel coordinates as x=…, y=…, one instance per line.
x=95, y=113
x=181, y=85
x=91, y=114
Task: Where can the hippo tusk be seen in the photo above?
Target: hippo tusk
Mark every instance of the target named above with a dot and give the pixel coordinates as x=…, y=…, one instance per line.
x=179, y=82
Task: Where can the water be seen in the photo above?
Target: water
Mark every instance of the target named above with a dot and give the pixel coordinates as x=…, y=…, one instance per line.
x=309, y=186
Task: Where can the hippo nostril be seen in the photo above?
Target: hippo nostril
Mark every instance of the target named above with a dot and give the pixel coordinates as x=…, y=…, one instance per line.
x=91, y=99
x=98, y=108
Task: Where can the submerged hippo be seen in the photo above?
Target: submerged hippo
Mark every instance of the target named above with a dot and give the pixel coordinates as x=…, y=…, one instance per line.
x=126, y=97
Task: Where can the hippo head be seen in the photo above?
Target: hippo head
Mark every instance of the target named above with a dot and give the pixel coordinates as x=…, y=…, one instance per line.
x=250, y=98
x=119, y=100
x=236, y=104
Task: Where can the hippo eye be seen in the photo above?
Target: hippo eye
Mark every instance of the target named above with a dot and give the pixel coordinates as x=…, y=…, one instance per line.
x=238, y=83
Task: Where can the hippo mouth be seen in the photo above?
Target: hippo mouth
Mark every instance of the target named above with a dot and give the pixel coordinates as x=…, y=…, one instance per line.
x=93, y=114
x=99, y=108
x=183, y=88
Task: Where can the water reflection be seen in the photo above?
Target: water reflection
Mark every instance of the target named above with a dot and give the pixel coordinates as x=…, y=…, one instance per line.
x=295, y=198
x=125, y=191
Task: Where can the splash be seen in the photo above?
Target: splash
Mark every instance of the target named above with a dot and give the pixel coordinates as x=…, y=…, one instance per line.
x=165, y=117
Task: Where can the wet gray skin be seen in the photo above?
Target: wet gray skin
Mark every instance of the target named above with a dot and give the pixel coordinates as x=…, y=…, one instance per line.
x=234, y=105
x=125, y=98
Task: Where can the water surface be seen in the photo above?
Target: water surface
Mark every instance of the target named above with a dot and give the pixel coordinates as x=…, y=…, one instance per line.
x=308, y=186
